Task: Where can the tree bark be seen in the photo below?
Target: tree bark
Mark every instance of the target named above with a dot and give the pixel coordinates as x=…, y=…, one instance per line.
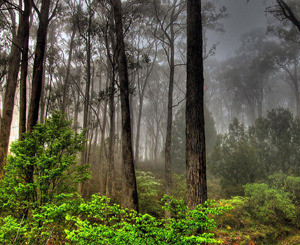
x=38, y=67
x=24, y=69
x=130, y=195
x=12, y=80
x=195, y=135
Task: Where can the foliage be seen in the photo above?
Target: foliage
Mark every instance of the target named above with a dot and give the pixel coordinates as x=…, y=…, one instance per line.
x=109, y=224
x=270, y=205
x=249, y=155
x=42, y=167
x=149, y=192
x=234, y=160
x=266, y=214
x=99, y=222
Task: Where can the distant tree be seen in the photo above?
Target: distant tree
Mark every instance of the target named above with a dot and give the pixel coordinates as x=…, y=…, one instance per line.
x=249, y=155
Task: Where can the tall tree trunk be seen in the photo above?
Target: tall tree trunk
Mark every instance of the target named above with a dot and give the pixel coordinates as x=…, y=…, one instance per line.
x=38, y=67
x=195, y=135
x=296, y=89
x=87, y=96
x=12, y=80
x=66, y=84
x=169, y=117
x=110, y=179
x=84, y=153
x=130, y=195
x=24, y=69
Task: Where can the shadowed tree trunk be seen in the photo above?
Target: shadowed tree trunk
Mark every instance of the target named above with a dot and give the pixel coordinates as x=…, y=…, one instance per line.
x=12, y=79
x=24, y=68
x=38, y=68
x=129, y=195
x=195, y=135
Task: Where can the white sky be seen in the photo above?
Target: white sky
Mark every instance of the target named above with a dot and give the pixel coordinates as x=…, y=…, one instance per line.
x=242, y=18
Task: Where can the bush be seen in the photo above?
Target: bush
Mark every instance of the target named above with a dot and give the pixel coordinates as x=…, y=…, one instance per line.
x=41, y=171
x=270, y=205
x=101, y=223
x=148, y=191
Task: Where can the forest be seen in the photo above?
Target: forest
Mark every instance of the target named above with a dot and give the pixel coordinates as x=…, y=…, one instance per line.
x=150, y=122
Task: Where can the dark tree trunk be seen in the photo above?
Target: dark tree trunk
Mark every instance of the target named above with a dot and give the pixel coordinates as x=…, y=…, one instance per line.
x=110, y=180
x=130, y=196
x=38, y=67
x=195, y=135
x=170, y=116
x=24, y=68
x=12, y=80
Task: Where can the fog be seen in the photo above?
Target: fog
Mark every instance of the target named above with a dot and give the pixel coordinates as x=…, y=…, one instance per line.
x=123, y=91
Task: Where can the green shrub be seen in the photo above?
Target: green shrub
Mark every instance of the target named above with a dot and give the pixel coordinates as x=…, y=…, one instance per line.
x=149, y=192
x=41, y=171
x=102, y=223
x=270, y=205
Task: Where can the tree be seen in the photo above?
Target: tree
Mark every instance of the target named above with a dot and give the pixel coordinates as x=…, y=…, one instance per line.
x=285, y=10
x=19, y=45
x=178, y=138
x=169, y=26
x=195, y=133
x=244, y=155
x=38, y=66
x=129, y=195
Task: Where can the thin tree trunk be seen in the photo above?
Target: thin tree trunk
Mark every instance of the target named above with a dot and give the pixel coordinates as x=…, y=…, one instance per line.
x=130, y=195
x=66, y=84
x=168, y=143
x=195, y=134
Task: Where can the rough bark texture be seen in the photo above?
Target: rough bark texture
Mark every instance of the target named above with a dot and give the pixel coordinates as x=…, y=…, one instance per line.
x=130, y=196
x=38, y=68
x=195, y=135
x=12, y=80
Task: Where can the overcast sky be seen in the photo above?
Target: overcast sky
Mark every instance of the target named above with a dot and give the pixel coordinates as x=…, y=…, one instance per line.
x=242, y=18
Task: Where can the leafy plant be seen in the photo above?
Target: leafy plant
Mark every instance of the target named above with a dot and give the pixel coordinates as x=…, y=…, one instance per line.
x=102, y=223
x=41, y=171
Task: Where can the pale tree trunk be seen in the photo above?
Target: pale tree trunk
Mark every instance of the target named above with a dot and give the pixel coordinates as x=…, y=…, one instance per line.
x=66, y=84
x=141, y=103
x=169, y=117
x=129, y=195
x=195, y=135
x=84, y=154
